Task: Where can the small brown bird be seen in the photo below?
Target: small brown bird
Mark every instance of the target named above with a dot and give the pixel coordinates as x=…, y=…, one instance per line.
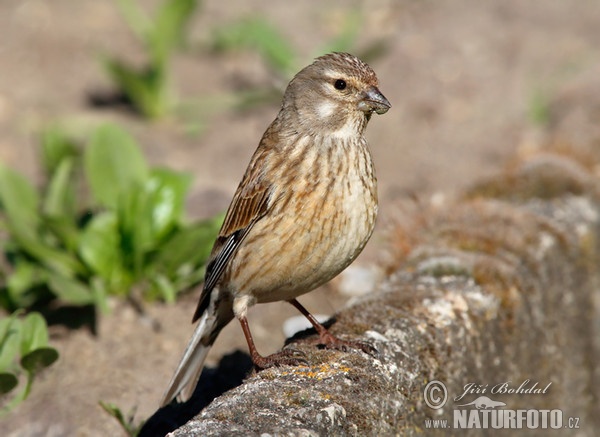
x=302, y=213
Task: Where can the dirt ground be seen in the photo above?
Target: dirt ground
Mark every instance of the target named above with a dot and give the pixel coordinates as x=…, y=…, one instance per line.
x=463, y=78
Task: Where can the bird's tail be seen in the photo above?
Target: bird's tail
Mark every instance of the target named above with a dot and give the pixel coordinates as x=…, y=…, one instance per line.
x=183, y=383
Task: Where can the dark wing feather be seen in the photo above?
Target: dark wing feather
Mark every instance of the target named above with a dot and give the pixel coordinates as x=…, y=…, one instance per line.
x=250, y=203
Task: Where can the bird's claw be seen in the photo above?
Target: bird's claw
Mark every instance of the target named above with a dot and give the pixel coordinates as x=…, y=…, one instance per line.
x=331, y=342
x=286, y=357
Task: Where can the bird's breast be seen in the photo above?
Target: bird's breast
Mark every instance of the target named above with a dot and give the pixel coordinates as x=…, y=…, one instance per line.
x=323, y=216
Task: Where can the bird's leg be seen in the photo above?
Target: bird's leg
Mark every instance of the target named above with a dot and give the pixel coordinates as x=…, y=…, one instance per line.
x=285, y=357
x=329, y=340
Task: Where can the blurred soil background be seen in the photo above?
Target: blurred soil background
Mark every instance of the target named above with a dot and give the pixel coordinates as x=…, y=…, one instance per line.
x=473, y=85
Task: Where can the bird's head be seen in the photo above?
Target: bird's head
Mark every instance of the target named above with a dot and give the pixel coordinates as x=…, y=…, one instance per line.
x=337, y=93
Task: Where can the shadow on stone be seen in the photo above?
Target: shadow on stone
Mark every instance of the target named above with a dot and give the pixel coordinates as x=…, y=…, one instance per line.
x=230, y=373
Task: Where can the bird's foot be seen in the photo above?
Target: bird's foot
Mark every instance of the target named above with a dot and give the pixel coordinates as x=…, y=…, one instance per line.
x=330, y=341
x=286, y=357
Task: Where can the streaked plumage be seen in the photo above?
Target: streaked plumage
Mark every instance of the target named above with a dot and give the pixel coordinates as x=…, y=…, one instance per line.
x=303, y=211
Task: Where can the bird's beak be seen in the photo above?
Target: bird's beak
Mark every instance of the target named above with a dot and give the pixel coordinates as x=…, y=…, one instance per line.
x=374, y=101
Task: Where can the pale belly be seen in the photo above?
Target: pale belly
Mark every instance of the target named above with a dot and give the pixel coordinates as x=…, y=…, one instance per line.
x=315, y=256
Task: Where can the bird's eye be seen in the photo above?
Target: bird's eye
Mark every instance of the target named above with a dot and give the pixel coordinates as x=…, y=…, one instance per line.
x=340, y=84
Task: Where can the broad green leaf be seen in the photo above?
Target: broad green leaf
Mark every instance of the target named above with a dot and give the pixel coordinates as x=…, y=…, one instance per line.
x=39, y=359
x=54, y=259
x=187, y=249
x=69, y=290
x=10, y=339
x=34, y=333
x=135, y=222
x=167, y=190
x=60, y=194
x=99, y=244
x=147, y=214
x=25, y=277
x=64, y=230
x=19, y=200
x=113, y=163
x=56, y=147
x=8, y=381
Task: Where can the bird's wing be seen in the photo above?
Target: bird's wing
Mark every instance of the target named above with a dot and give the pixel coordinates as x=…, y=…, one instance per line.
x=250, y=203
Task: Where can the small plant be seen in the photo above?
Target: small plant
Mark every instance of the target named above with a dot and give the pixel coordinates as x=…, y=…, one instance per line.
x=257, y=34
x=148, y=87
x=127, y=423
x=23, y=350
x=129, y=240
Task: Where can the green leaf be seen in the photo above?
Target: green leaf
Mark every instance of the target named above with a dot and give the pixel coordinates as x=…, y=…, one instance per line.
x=69, y=290
x=56, y=260
x=147, y=89
x=147, y=215
x=167, y=190
x=99, y=244
x=138, y=21
x=114, y=411
x=34, y=333
x=65, y=230
x=100, y=294
x=19, y=200
x=60, y=194
x=165, y=288
x=39, y=359
x=10, y=339
x=169, y=27
x=56, y=147
x=135, y=222
x=113, y=163
x=130, y=428
x=24, y=278
x=8, y=381
x=187, y=251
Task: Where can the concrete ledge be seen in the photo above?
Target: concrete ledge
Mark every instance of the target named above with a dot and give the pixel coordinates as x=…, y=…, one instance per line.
x=499, y=290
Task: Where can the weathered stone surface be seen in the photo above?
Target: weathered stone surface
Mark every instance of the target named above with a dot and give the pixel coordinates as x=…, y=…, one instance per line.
x=502, y=287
